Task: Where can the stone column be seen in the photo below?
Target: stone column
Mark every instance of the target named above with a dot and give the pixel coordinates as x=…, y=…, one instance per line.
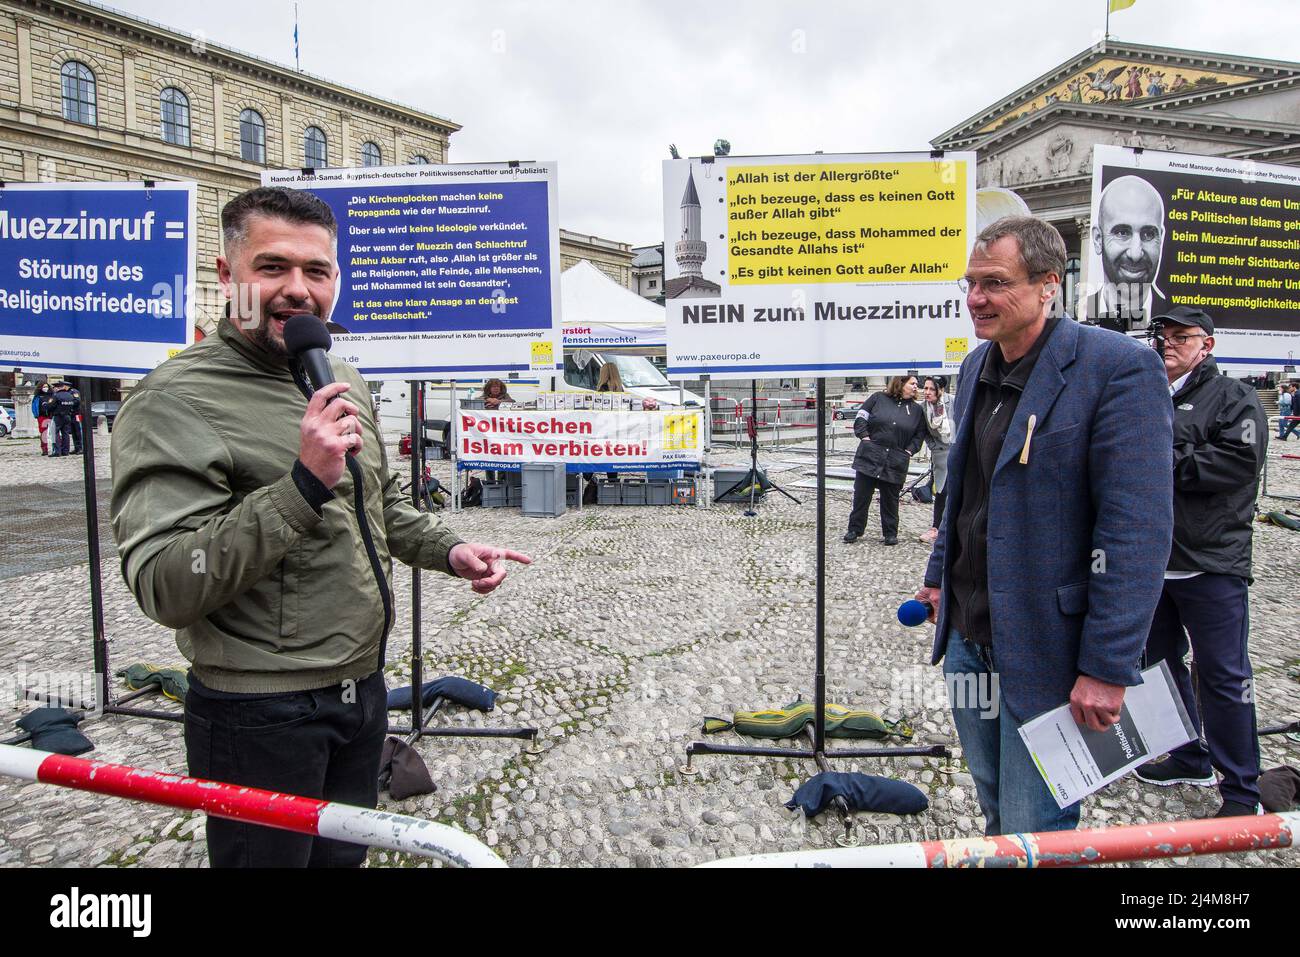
x=1084, y=225
x=398, y=159
x=24, y=421
x=285, y=147
x=128, y=82
x=218, y=114
x=345, y=139
x=24, y=25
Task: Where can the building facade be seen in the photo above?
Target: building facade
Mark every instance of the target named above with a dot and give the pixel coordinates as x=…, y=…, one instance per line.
x=648, y=272
x=610, y=256
x=1038, y=140
x=90, y=94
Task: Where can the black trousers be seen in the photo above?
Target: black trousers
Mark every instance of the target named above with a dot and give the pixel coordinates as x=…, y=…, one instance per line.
x=940, y=499
x=62, y=434
x=321, y=744
x=1209, y=613
x=863, y=488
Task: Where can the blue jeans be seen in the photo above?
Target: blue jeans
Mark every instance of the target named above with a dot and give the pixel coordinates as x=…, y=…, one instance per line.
x=1012, y=794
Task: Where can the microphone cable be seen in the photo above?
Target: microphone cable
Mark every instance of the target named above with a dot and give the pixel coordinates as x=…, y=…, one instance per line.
x=359, y=500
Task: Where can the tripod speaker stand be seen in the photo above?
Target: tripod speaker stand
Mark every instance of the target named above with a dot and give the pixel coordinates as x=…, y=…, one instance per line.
x=754, y=479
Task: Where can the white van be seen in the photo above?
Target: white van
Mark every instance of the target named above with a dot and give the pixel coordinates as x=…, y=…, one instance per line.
x=581, y=373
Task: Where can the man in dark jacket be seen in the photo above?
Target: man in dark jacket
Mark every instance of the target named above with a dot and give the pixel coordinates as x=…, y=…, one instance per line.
x=1056, y=534
x=64, y=406
x=1220, y=434
x=892, y=427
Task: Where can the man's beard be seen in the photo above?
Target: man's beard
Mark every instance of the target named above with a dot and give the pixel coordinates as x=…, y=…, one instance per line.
x=1148, y=272
x=260, y=335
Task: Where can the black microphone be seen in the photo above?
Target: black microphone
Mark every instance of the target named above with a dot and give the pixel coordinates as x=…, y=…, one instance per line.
x=308, y=341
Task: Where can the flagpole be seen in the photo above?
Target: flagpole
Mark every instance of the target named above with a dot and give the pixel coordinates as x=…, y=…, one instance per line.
x=1105, y=36
x=297, y=63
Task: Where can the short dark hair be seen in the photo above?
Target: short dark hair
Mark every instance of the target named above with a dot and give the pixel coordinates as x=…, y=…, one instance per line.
x=1042, y=249
x=280, y=202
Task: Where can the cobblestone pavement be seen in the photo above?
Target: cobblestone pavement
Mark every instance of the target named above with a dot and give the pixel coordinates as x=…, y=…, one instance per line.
x=632, y=625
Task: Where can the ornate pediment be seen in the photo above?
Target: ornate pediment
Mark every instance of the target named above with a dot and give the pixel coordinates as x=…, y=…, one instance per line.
x=1120, y=78
x=1122, y=82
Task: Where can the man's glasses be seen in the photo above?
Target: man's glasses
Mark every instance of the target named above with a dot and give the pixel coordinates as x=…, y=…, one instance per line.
x=1178, y=339
x=992, y=287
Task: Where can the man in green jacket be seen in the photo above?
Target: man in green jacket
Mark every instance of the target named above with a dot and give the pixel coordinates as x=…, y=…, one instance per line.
x=236, y=525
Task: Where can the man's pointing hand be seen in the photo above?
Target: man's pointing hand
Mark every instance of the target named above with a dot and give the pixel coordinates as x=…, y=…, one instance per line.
x=483, y=565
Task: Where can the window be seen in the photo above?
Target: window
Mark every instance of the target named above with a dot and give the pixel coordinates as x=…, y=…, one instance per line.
x=370, y=155
x=78, y=93
x=252, y=137
x=419, y=159
x=315, y=151
x=175, y=116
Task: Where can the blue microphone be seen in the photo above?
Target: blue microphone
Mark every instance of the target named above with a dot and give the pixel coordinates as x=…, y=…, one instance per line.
x=914, y=611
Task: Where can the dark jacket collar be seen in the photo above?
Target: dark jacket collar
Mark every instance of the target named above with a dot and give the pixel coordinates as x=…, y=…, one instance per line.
x=1019, y=376
x=247, y=348
x=1206, y=370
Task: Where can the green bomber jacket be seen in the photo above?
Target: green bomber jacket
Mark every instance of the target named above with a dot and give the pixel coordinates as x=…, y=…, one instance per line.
x=216, y=540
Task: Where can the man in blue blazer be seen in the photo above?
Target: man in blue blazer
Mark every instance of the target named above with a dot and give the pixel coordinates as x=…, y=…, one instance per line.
x=1052, y=551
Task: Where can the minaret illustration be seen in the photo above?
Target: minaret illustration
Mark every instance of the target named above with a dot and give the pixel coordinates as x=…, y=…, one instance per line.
x=691, y=251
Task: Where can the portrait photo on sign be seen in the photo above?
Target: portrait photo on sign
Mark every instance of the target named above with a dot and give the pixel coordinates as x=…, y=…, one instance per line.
x=1221, y=235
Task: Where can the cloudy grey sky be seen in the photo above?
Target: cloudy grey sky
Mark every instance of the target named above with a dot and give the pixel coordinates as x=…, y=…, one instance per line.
x=604, y=87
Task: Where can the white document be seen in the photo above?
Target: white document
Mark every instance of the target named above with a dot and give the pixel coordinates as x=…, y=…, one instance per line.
x=1076, y=761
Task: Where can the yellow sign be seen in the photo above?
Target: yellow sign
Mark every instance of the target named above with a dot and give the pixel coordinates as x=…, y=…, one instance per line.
x=681, y=432
x=543, y=356
x=954, y=350
x=846, y=222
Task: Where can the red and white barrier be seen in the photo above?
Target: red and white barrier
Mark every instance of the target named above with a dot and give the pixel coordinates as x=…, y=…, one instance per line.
x=342, y=822
x=1134, y=842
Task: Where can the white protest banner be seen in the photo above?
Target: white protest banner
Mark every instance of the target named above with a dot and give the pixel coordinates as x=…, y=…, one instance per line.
x=444, y=271
x=96, y=278
x=585, y=441
x=823, y=264
x=1222, y=235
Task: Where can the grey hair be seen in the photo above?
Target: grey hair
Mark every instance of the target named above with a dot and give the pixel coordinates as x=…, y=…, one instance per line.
x=1042, y=249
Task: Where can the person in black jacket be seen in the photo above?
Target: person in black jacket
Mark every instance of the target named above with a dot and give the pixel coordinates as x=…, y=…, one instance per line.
x=892, y=427
x=64, y=406
x=1220, y=435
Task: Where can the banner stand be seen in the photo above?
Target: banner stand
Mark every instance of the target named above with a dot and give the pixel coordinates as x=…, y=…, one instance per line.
x=104, y=696
x=422, y=717
x=1263, y=490
x=817, y=733
x=753, y=476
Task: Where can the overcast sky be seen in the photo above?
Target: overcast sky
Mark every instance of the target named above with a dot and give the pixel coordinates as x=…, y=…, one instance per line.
x=603, y=86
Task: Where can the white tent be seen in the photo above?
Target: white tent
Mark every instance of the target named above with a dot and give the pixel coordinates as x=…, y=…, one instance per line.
x=600, y=315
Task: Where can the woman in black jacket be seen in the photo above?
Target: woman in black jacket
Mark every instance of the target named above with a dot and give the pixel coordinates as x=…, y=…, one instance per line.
x=892, y=428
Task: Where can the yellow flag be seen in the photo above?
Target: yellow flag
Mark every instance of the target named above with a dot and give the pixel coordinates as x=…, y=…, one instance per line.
x=1121, y=4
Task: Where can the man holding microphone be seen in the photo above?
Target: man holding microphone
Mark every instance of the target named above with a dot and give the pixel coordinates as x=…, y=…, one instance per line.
x=235, y=523
x=1054, y=540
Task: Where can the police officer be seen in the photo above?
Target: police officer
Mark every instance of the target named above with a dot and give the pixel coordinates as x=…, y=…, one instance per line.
x=1220, y=435
x=64, y=406
x=78, y=418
